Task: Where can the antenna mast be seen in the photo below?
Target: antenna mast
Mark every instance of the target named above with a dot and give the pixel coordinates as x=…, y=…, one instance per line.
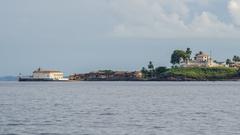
x=211, y=57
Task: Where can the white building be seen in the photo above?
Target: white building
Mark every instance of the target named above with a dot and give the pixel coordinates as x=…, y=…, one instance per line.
x=201, y=60
x=47, y=74
x=202, y=57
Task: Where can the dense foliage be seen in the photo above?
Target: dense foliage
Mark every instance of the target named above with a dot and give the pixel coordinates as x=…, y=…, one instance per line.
x=204, y=73
x=107, y=71
x=152, y=72
x=236, y=58
x=190, y=73
x=179, y=55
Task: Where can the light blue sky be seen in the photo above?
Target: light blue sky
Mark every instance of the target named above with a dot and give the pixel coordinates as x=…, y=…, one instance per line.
x=86, y=35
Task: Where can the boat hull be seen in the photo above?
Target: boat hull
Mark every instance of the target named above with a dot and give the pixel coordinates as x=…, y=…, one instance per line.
x=38, y=80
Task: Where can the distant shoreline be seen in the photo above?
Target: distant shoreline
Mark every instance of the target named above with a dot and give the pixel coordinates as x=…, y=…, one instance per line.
x=226, y=80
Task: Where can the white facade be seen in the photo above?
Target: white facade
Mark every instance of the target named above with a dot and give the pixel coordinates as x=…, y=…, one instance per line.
x=47, y=74
x=202, y=57
x=201, y=60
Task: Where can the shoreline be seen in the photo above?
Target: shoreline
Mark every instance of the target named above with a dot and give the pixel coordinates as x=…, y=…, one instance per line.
x=153, y=80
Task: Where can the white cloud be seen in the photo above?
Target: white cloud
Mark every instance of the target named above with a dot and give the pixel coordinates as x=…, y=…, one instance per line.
x=208, y=25
x=147, y=18
x=234, y=9
x=166, y=19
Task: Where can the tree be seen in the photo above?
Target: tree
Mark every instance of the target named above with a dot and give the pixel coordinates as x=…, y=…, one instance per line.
x=177, y=56
x=228, y=61
x=188, y=53
x=151, y=69
x=236, y=58
x=144, y=72
x=160, y=70
x=106, y=71
x=150, y=65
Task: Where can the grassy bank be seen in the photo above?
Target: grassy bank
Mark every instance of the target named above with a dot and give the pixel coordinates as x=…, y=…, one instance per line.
x=203, y=73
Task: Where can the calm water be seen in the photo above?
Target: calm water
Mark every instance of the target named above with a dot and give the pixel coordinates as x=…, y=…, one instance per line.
x=120, y=108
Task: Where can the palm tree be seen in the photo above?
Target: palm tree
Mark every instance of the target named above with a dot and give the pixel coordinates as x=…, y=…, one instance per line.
x=188, y=53
x=144, y=72
x=151, y=68
x=228, y=61
x=236, y=58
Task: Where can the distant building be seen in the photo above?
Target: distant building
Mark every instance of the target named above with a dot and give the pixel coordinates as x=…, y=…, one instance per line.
x=202, y=57
x=202, y=60
x=47, y=74
x=235, y=65
x=108, y=76
x=79, y=77
x=44, y=75
x=138, y=74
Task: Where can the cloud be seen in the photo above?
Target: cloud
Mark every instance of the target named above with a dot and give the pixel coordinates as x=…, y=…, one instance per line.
x=171, y=19
x=147, y=18
x=234, y=9
x=207, y=25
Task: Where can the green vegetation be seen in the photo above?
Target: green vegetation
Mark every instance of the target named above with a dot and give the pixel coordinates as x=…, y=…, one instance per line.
x=152, y=72
x=236, y=58
x=198, y=73
x=204, y=73
x=151, y=69
x=179, y=55
x=192, y=73
x=228, y=61
x=188, y=53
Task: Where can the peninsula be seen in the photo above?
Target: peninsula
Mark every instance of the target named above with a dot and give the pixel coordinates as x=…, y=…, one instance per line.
x=201, y=67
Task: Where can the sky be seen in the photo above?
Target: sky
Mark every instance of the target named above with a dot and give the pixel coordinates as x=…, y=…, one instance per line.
x=77, y=36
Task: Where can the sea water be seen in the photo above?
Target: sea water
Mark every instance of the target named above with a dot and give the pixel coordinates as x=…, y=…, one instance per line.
x=120, y=108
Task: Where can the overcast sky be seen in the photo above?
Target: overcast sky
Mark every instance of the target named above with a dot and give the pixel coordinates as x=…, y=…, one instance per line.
x=86, y=35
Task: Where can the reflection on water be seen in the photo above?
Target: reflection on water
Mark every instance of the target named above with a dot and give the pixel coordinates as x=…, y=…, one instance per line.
x=120, y=108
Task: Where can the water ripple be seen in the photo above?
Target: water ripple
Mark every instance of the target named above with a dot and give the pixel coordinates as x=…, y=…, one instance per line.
x=120, y=108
